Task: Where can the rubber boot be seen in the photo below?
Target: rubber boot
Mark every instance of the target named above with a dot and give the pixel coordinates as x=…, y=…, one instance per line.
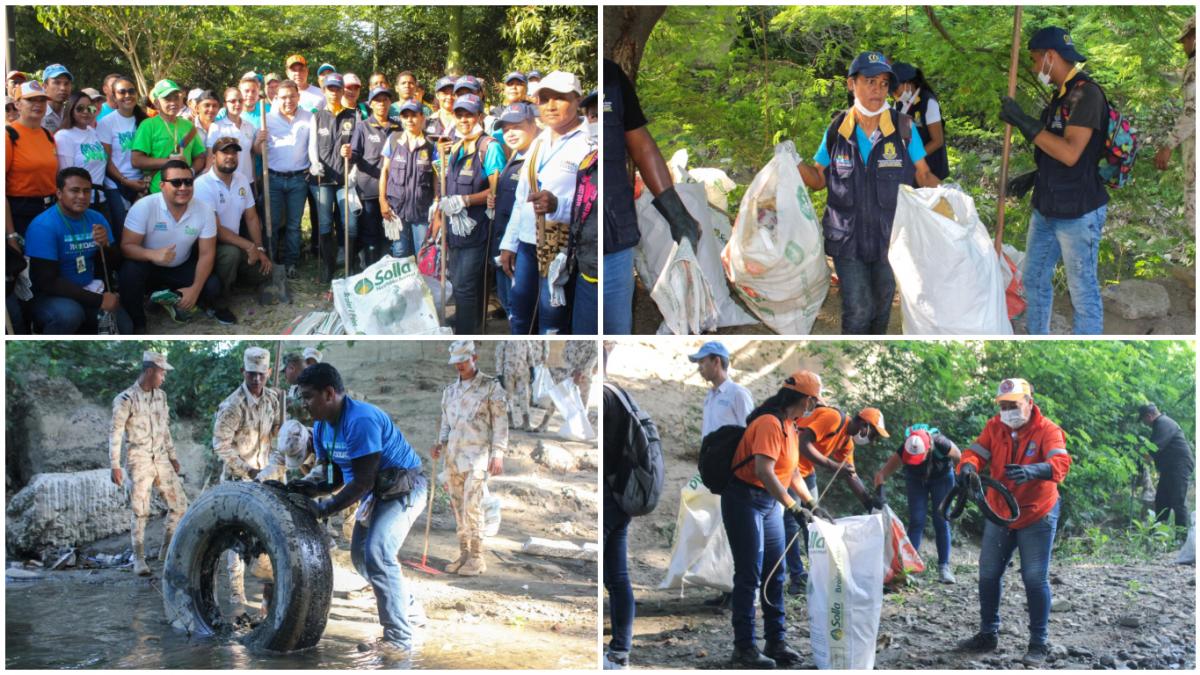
x=464, y=552
x=268, y=593
x=328, y=257
x=140, y=567
x=525, y=423
x=474, y=566
x=510, y=422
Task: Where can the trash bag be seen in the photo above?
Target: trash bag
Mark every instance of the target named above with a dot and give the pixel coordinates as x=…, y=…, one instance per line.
x=491, y=513
x=683, y=296
x=946, y=268
x=701, y=554
x=902, y=557
x=566, y=398
x=717, y=184
x=1014, y=281
x=845, y=590
x=542, y=385
x=776, y=255
x=387, y=298
x=1187, y=554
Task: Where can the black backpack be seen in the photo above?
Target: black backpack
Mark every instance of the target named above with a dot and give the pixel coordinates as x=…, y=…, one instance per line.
x=716, y=456
x=638, y=483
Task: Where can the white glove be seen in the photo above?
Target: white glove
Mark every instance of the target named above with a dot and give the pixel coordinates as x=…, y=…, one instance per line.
x=557, y=276
x=453, y=204
x=462, y=225
x=392, y=227
x=491, y=214
x=316, y=170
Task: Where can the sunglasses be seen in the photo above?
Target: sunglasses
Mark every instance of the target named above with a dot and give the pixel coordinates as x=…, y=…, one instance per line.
x=180, y=182
x=86, y=109
x=125, y=92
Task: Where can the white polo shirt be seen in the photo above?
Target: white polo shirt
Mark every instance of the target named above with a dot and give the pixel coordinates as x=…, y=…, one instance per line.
x=228, y=201
x=312, y=99
x=287, y=147
x=245, y=133
x=151, y=218
x=729, y=403
x=557, y=163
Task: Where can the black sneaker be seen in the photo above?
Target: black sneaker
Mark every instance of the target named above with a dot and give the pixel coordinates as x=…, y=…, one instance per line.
x=1037, y=654
x=797, y=584
x=223, y=316
x=980, y=642
x=752, y=659
x=291, y=273
x=781, y=654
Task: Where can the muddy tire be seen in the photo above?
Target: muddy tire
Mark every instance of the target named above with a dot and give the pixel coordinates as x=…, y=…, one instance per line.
x=258, y=519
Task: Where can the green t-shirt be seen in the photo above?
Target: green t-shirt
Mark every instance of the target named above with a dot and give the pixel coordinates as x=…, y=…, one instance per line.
x=157, y=139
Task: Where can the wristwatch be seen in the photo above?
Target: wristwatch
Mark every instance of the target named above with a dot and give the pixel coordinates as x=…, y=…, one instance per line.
x=17, y=236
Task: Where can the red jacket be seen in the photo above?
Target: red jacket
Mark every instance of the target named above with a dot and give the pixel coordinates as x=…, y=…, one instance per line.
x=1039, y=440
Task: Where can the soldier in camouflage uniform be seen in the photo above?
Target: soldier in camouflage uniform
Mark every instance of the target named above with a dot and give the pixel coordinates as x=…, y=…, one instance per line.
x=579, y=359
x=513, y=365
x=140, y=414
x=474, y=435
x=244, y=429
x=1183, y=134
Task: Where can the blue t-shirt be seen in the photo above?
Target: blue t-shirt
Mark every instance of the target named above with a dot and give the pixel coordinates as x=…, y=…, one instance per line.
x=54, y=236
x=363, y=430
x=493, y=161
x=916, y=151
x=104, y=111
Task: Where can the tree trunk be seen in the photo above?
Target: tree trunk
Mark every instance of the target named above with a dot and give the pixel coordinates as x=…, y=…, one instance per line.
x=626, y=30
x=454, y=51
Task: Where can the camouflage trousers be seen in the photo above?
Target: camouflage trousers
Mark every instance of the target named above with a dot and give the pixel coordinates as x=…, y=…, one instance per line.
x=147, y=471
x=516, y=385
x=466, y=500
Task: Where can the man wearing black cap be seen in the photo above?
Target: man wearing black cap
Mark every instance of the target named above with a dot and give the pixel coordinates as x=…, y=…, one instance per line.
x=1070, y=203
x=1174, y=462
x=366, y=146
x=331, y=130
x=866, y=154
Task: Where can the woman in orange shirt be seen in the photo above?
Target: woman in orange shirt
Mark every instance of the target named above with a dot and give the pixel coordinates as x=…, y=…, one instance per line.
x=764, y=466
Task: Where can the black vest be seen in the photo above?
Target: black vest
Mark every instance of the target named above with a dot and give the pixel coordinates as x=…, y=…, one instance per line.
x=1063, y=191
x=939, y=165
x=410, y=179
x=465, y=176
x=330, y=137
x=584, y=222
x=861, y=202
x=506, y=197
x=620, y=215
x=369, y=137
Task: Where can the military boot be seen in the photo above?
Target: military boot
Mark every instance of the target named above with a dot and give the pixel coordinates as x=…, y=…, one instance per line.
x=474, y=566
x=166, y=545
x=140, y=567
x=525, y=423
x=510, y=422
x=464, y=552
x=545, y=420
x=328, y=257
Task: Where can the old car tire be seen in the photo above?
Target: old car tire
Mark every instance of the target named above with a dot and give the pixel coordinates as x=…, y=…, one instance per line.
x=265, y=520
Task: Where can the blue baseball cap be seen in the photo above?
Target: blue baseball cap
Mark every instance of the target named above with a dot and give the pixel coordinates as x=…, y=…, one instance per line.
x=381, y=90
x=589, y=100
x=411, y=105
x=467, y=82
x=334, y=80
x=1053, y=37
x=713, y=348
x=515, y=113
x=534, y=75
x=515, y=75
x=324, y=68
x=903, y=71
x=443, y=83
x=469, y=102
x=55, y=70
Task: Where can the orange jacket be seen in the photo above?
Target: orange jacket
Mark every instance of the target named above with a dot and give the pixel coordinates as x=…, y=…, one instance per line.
x=767, y=436
x=1040, y=440
x=831, y=441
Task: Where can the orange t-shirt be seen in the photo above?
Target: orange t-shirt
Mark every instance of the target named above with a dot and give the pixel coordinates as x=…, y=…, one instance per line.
x=30, y=165
x=831, y=441
x=766, y=435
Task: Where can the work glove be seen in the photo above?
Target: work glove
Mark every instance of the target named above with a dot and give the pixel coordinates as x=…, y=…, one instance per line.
x=275, y=484
x=315, y=507
x=1023, y=473
x=317, y=170
x=453, y=204
x=461, y=224
x=557, y=277
x=802, y=514
x=676, y=214
x=1019, y=186
x=1011, y=112
x=969, y=474
x=393, y=227
x=872, y=502
x=305, y=487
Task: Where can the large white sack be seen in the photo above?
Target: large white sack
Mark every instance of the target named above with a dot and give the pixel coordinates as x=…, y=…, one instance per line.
x=776, y=255
x=950, y=279
x=683, y=296
x=387, y=298
x=701, y=555
x=655, y=247
x=1187, y=554
x=845, y=590
x=717, y=184
x=566, y=398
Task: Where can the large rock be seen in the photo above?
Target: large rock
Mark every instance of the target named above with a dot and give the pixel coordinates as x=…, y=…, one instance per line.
x=65, y=509
x=56, y=430
x=554, y=457
x=1137, y=299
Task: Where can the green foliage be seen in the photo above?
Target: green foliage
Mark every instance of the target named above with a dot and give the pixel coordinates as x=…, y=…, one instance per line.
x=729, y=82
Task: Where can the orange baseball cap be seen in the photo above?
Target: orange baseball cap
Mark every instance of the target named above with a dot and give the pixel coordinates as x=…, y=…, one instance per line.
x=874, y=417
x=1013, y=389
x=293, y=59
x=806, y=382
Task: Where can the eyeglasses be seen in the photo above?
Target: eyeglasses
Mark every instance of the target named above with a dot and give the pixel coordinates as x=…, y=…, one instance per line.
x=86, y=108
x=180, y=182
x=124, y=92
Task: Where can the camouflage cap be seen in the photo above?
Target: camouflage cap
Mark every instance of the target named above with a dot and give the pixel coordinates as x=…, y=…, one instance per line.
x=256, y=360
x=461, y=350
x=312, y=353
x=157, y=359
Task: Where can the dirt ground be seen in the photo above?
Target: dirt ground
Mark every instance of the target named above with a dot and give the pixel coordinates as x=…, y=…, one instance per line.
x=527, y=611
x=919, y=624
x=1180, y=320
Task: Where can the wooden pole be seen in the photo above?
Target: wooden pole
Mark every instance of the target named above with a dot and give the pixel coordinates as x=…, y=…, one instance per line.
x=1014, y=58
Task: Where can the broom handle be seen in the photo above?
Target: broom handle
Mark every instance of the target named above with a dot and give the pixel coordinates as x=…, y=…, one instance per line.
x=1012, y=92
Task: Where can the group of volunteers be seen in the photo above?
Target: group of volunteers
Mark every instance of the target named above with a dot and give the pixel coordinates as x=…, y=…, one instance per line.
x=771, y=495
x=870, y=150
x=111, y=197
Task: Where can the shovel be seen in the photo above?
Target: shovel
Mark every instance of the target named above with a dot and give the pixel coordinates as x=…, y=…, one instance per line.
x=423, y=566
x=275, y=291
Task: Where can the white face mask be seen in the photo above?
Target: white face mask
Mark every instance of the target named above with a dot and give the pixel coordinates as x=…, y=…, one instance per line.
x=861, y=438
x=1013, y=418
x=907, y=97
x=862, y=109
x=1044, y=76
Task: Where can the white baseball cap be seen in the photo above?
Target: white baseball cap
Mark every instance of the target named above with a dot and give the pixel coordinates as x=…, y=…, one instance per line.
x=560, y=81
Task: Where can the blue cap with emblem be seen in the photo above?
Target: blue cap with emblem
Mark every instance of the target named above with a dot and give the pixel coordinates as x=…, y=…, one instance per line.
x=515, y=75
x=904, y=71
x=870, y=64
x=380, y=90
x=467, y=82
x=411, y=105
x=334, y=80
x=515, y=113
x=468, y=102
x=443, y=83
x=1053, y=37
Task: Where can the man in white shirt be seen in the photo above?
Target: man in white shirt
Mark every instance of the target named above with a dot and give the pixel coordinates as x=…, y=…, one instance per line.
x=312, y=98
x=234, y=123
x=161, y=231
x=554, y=160
x=727, y=402
x=230, y=195
x=288, y=128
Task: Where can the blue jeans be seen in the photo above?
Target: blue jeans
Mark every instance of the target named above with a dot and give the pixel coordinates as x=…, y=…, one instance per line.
x=374, y=552
x=410, y=240
x=584, y=309
x=752, y=522
x=530, y=290
x=867, y=292
x=616, y=574
x=56, y=315
x=288, y=197
x=503, y=290
x=792, y=559
x=618, y=292
x=116, y=212
x=331, y=203
x=1077, y=242
x=466, y=275
x=920, y=494
x=1035, y=542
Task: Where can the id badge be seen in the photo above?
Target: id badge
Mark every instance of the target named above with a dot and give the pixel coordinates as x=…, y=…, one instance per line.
x=80, y=264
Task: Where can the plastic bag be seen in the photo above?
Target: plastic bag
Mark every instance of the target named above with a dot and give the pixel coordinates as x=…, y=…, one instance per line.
x=566, y=398
x=491, y=513
x=1014, y=282
x=776, y=256
x=901, y=556
x=682, y=294
x=542, y=384
x=701, y=555
x=949, y=276
x=388, y=298
x=845, y=590
x=717, y=184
